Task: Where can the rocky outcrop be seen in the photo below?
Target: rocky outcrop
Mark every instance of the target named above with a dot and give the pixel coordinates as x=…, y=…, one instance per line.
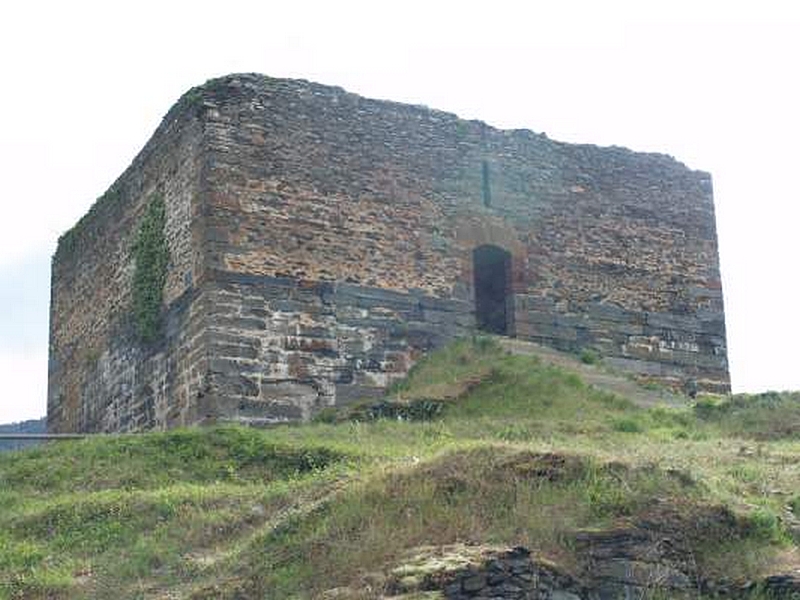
x=620, y=566
x=462, y=572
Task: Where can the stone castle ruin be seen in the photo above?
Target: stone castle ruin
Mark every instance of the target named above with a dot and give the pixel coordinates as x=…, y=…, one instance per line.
x=280, y=246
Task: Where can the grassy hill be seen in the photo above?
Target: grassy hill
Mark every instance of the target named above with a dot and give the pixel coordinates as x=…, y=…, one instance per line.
x=476, y=452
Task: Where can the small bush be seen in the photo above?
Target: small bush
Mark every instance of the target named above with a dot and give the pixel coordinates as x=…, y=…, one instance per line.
x=589, y=356
x=763, y=524
x=627, y=425
x=706, y=409
x=605, y=493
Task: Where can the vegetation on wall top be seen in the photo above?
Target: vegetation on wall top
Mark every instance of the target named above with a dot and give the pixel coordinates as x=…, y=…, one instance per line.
x=151, y=255
x=68, y=241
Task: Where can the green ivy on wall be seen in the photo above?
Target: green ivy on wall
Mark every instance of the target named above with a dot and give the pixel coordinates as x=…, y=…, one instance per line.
x=151, y=255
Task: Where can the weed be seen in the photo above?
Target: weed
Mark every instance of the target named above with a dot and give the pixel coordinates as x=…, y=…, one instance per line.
x=515, y=432
x=745, y=473
x=627, y=425
x=764, y=525
x=589, y=356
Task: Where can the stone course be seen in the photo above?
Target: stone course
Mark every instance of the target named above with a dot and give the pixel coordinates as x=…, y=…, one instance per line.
x=321, y=241
x=280, y=350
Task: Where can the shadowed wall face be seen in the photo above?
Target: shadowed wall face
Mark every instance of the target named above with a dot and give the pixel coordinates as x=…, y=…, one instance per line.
x=321, y=241
x=101, y=376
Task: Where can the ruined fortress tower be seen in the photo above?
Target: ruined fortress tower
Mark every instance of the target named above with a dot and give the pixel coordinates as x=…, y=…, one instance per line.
x=280, y=246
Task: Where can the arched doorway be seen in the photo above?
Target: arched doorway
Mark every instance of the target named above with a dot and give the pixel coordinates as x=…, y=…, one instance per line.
x=492, y=278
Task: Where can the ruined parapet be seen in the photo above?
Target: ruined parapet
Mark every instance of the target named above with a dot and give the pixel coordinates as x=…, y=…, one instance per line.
x=319, y=242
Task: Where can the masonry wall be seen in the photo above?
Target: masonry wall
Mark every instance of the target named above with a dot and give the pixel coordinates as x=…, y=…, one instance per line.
x=320, y=242
x=101, y=378
x=611, y=249
x=282, y=349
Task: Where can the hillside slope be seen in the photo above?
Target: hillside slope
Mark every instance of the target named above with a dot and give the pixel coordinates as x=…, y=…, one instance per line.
x=483, y=474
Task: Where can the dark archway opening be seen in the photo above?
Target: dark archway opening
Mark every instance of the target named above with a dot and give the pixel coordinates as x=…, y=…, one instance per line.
x=492, y=268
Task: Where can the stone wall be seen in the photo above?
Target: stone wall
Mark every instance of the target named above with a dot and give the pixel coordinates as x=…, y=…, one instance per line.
x=135, y=387
x=100, y=377
x=665, y=347
x=281, y=349
x=611, y=249
x=321, y=241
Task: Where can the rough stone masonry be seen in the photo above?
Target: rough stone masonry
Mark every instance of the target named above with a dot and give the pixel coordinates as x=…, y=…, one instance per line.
x=319, y=242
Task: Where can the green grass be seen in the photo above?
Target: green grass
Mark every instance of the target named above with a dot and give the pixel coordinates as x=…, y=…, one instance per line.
x=520, y=453
x=764, y=416
x=490, y=494
x=152, y=461
x=123, y=508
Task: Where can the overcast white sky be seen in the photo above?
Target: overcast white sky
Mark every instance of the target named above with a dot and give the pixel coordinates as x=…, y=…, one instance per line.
x=714, y=83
